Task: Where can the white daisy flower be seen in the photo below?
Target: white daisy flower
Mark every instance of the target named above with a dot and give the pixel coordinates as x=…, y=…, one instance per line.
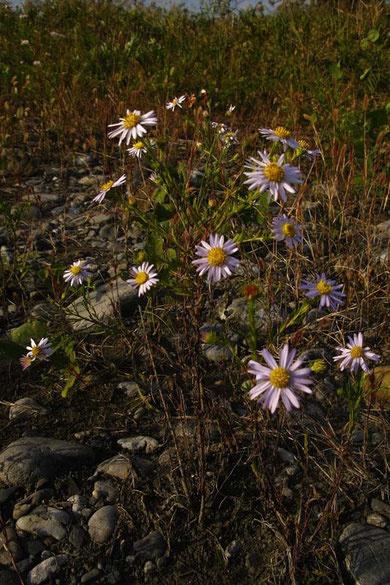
x=280, y=134
x=175, y=102
x=77, y=273
x=132, y=125
x=328, y=290
x=144, y=277
x=230, y=110
x=279, y=381
x=310, y=154
x=40, y=351
x=216, y=258
x=24, y=42
x=107, y=187
x=274, y=176
x=353, y=355
x=25, y=362
x=137, y=150
x=287, y=229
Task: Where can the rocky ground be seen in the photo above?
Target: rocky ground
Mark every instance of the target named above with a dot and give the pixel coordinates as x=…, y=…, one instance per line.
x=93, y=484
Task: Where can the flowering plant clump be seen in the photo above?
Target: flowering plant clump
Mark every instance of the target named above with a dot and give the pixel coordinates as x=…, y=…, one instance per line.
x=38, y=351
x=329, y=292
x=107, y=187
x=354, y=354
x=216, y=258
x=77, y=273
x=144, y=278
x=277, y=382
x=275, y=177
x=132, y=126
x=287, y=230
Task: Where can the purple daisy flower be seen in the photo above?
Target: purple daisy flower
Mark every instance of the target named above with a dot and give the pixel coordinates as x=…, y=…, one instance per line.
x=274, y=176
x=279, y=381
x=353, y=355
x=287, y=229
x=216, y=258
x=328, y=290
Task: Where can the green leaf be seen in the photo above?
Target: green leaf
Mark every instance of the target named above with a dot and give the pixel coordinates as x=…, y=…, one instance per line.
x=11, y=350
x=163, y=212
x=365, y=73
x=154, y=248
x=68, y=385
x=33, y=329
x=373, y=35
x=335, y=70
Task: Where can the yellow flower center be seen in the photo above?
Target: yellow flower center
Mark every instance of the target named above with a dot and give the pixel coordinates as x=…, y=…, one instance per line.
x=282, y=132
x=174, y=101
x=107, y=185
x=274, y=172
x=288, y=229
x=75, y=270
x=356, y=351
x=139, y=145
x=141, y=277
x=304, y=144
x=36, y=350
x=217, y=257
x=323, y=287
x=131, y=120
x=279, y=377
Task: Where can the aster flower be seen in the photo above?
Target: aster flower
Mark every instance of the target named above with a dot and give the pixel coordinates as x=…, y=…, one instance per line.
x=328, y=290
x=353, y=355
x=25, y=362
x=40, y=351
x=216, y=258
x=137, y=150
x=280, y=134
x=287, y=229
x=107, y=187
x=24, y=42
x=144, y=277
x=279, y=381
x=274, y=176
x=132, y=125
x=77, y=273
x=175, y=102
x=310, y=154
x=230, y=110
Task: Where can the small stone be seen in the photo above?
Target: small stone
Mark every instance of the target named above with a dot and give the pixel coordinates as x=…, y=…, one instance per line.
x=90, y=576
x=78, y=503
x=78, y=537
x=253, y=563
x=6, y=494
x=12, y=551
x=25, y=506
x=46, y=569
x=232, y=549
x=380, y=507
x=45, y=521
x=377, y=520
x=132, y=389
x=286, y=456
x=149, y=567
x=376, y=438
x=31, y=458
x=33, y=547
x=114, y=577
x=105, y=489
x=357, y=437
x=139, y=443
x=118, y=466
x=150, y=547
x=366, y=551
x=102, y=524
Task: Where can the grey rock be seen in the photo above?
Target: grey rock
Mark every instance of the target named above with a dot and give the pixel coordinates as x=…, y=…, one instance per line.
x=114, y=577
x=357, y=437
x=44, y=312
x=139, y=443
x=101, y=219
x=78, y=537
x=78, y=503
x=118, y=466
x=25, y=408
x=24, y=506
x=380, y=507
x=31, y=458
x=90, y=576
x=45, y=521
x=33, y=547
x=237, y=314
x=6, y=494
x=286, y=456
x=32, y=211
x=105, y=489
x=150, y=547
x=216, y=353
x=366, y=552
x=104, y=304
x=132, y=389
x=376, y=519
x=143, y=466
x=46, y=569
x=149, y=567
x=232, y=549
x=102, y=524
